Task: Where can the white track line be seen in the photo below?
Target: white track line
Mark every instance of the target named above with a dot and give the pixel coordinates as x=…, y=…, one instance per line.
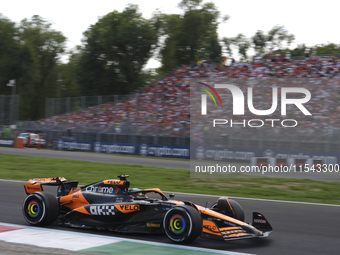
x=52, y=238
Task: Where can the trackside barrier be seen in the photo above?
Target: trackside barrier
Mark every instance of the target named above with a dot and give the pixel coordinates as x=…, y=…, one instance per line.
x=280, y=162
x=262, y=161
x=316, y=162
x=299, y=163
x=153, y=150
x=7, y=142
x=19, y=143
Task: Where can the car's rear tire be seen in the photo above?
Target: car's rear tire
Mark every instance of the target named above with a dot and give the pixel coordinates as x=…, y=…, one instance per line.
x=182, y=224
x=40, y=208
x=229, y=207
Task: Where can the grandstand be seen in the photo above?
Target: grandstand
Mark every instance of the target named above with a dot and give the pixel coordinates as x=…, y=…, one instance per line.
x=160, y=113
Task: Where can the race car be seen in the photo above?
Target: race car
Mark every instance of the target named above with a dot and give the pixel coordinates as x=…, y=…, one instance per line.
x=112, y=205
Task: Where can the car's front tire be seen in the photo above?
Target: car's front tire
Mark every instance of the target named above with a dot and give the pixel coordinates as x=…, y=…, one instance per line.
x=182, y=224
x=229, y=207
x=40, y=208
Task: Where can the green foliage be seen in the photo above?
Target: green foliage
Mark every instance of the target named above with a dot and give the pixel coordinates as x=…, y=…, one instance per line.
x=15, y=167
x=41, y=49
x=190, y=37
x=299, y=50
x=9, y=53
x=114, y=52
x=29, y=53
x=330, y=48
x=276, y=39
x=260, y=42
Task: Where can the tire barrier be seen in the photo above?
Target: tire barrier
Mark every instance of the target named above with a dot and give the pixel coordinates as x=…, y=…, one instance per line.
x=261, y=161
x=294, y=164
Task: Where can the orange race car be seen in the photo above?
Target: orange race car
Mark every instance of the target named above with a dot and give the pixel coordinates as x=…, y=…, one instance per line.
x=112, y=205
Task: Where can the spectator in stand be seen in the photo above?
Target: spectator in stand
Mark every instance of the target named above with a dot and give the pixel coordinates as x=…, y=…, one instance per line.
x=164, y=106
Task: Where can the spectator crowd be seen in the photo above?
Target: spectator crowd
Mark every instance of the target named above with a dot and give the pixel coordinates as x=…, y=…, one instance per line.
x=163, y=107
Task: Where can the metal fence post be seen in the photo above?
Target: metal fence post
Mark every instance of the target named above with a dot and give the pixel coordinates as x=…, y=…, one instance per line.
x=68, y=104
x=16, y=112
x=2, y=110
x=83, y=102
x=47, y=107
x=52, y=106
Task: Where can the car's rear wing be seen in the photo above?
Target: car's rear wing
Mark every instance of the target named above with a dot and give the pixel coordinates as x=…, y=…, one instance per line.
x=35, y=184
x=48, y=180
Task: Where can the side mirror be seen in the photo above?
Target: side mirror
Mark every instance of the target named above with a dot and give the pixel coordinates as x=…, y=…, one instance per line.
x=172, y=196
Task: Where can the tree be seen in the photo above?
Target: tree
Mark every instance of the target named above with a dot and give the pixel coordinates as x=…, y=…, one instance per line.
x=300, y=50
x=68, y=71
x=330, y=48
x=243, y=44
x=41, y=48
x=260, y=42
x=168, y=53
x=277, y=37
x=9, y=53
x=114, y=52
x=240, y=42
x=190, y=37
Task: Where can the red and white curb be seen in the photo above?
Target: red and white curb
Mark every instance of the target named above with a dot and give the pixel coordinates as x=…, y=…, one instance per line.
x=50, y=238
x=75, y=241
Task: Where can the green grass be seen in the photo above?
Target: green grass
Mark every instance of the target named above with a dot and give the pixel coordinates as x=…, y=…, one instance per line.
x=14, y=167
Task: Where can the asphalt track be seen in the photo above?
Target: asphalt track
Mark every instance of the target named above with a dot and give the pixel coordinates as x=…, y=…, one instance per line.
x=299, y=228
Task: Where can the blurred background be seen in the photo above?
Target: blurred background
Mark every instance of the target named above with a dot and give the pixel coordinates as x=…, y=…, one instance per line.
x=108, y=88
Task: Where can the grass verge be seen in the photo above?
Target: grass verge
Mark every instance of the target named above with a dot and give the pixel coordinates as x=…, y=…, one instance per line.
x=13, y=167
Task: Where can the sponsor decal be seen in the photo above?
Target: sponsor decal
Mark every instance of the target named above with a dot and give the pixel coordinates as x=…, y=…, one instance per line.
x=268, y=153
x=230, y=223
x=114, y=148
x=164, y=208
x=260, y=221
x=143, y=150
x=245, y=155
x=60, y=145
x=73, y=145
x=161, y=151
x=125, y=148
x=128, y=208
x=97, y=147
x=114, y=182
x=213, y=228
x=6, y=142
x=33, y=188
x=119, y=199
x=153, y=225
x=102, y=209
x=100, y=189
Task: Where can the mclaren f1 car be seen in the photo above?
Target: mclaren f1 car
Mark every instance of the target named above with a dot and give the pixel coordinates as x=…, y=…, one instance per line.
x=112, y=205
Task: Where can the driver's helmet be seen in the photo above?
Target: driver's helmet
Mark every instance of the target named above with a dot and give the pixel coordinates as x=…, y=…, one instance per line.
x=137, y=193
